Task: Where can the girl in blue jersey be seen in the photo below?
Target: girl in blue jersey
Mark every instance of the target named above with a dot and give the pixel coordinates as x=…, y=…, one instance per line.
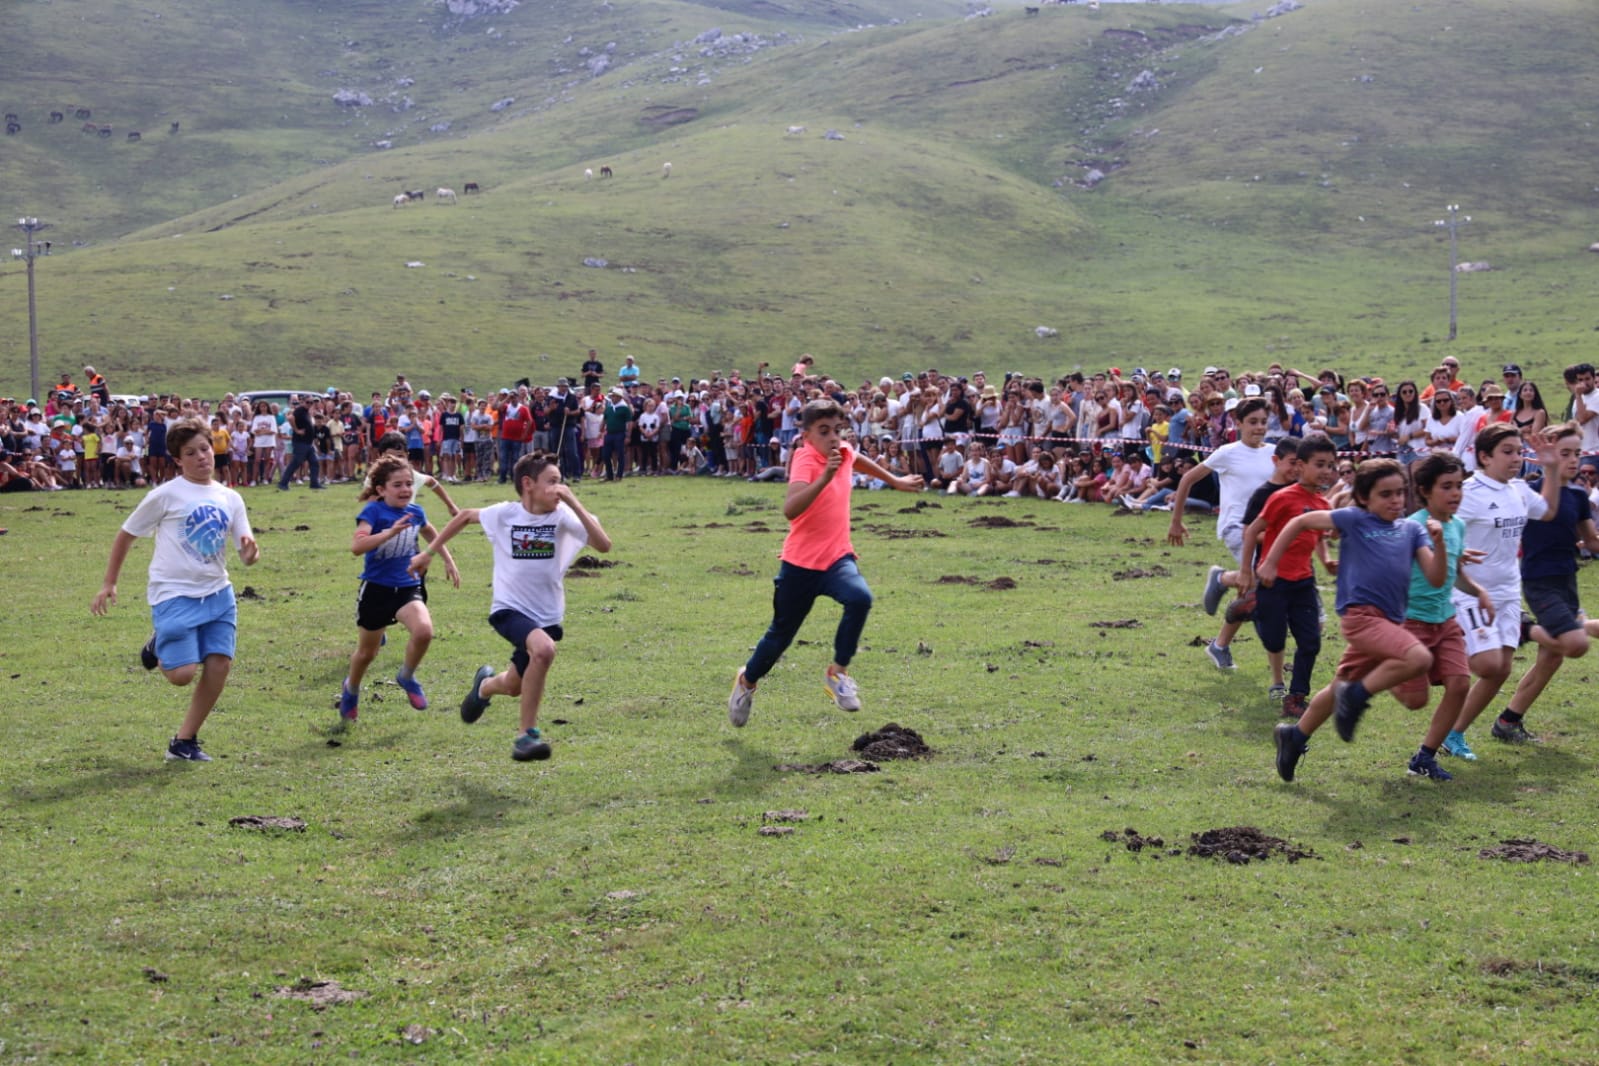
x=386, y=533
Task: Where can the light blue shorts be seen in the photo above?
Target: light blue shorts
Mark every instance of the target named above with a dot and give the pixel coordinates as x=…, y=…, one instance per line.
x=189, y=628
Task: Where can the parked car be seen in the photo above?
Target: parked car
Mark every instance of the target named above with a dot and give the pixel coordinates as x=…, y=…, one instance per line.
x=284, y=398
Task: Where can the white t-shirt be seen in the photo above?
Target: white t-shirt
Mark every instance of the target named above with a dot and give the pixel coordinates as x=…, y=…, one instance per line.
x=1495, y=513
x=1590, y=428
x=1446, y=433
x=531, y=555
x=1242, y=470
x=193, y=526
x=264, y=431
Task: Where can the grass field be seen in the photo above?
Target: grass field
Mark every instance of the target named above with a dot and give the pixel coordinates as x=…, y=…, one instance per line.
x=618, y=904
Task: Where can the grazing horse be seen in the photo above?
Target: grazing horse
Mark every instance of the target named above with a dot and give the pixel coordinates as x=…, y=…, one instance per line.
x=402, y=199
x=444, y=195
x=469, y=188
x=134, y=135
x=666, y=170
x=605, y=172
x=416, y=194
x=82, y=113
x=56, y=116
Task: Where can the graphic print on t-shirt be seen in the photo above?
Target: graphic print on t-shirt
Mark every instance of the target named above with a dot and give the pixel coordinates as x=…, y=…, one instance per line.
x=205, y=533
x=533, y=542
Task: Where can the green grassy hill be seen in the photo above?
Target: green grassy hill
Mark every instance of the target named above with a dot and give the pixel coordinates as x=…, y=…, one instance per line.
x=1272, y=198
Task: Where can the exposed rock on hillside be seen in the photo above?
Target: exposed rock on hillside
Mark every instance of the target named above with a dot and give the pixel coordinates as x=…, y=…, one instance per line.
x=352, y=98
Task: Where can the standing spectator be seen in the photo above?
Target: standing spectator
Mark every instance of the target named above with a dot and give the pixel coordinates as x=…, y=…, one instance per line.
x=593, y=370
x=516, y=429
x=565, y=426
x=617, y=416
x=1585, y=410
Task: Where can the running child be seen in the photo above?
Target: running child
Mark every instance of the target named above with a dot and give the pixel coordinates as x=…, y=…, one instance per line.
x=1241, y=467
x=1495, y=505
x=1377, y=549
x=534, y=538
x=1549, y=581
x=1430, y=612
x=386, y=532
x=817, y=558
x=1292, y=604
x=192, y=519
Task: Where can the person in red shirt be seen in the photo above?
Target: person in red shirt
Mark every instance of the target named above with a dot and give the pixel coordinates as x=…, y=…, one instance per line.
x=1291, y=604
x=817, y=557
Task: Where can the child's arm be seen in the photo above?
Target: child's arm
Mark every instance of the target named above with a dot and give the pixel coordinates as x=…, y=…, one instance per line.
x=1327, y=561
x=1588, y=535
x=108, y=588
x=599, y=540
x=1465, y=584
x=801, y=494
x=1547, y=450
x=419, y=561
x=430, y=535
x=1434, y=560
x=444, y=497
x=1317, y=520
x=1246, y=572
x=871, y=468
x=365, y=540
x=1178, y=533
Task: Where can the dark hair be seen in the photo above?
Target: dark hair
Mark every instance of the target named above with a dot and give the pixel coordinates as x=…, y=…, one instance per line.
x=384, y=468
x=1316, y=444
x=183, y=431
x=1491, y=437
x=1444, y=394
x=392, y=442
x=1537, y=396
x=1248, y=407
x=1561, y=431
x=1406, y=410
x=1576, y=370
x=816, y=410
x=531, y=465
x=1427, y=472
x=1369, y=473
x=1288, y=446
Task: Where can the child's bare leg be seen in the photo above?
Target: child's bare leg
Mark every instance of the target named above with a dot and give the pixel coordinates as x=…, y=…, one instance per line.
x=415, y=618
x=367, y=642
x=541, y=655
x=1275, y=659
x=1443, y=717
x=1416, y=661
x=1491, y=668
x=207, y=690
x=1320, y=709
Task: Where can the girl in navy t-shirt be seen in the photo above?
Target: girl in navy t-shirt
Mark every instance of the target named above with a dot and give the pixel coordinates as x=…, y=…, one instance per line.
x=386, y=533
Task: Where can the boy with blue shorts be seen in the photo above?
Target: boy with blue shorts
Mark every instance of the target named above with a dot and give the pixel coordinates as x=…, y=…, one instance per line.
x=193, y=519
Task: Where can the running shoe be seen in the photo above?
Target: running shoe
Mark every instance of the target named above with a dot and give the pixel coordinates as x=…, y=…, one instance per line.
x=841, y=688
x=530, y=746
x=186, y=750
x=1455, y=744
x=1221, y=656
x=739, y=702
x=147, y=656
x=1277, y=693
x=348, y=702
x=1295, y=705
x=1240, y=610
x=1214, y=589
x=1424, y=765
x=1513, y=733
x=413, y=691
x=475, y=703
x=1346, y=716
x=1290, y=749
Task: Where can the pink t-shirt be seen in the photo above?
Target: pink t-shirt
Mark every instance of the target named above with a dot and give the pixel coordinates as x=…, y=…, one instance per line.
x=819, y=537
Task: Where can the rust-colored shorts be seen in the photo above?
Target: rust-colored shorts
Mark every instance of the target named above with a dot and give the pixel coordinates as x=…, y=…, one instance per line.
x=1373, y=638
x=1447, y=642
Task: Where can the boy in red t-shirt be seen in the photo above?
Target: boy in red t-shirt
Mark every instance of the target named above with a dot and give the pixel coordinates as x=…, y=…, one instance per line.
x=817, y=558
x=1291, y=603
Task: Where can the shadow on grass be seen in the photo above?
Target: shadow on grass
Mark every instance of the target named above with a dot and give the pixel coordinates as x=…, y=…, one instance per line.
x=751, y=773
x=114, y=779
x=477, y=809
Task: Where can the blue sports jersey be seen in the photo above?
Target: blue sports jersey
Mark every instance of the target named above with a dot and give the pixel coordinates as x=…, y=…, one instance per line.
x=1374, y=560
x=386, y=564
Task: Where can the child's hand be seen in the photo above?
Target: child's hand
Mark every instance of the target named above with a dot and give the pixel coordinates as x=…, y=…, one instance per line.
x=403, y=522
x=1472, y=556
x=1546, y=446
x=909, y=483
x=1435, y=530
x=563, y=492
x=1246, y=581
x=1485, y=604
x=102, y=599
x=1177, y=535
x=1332, y=567
x=452, y=573
x=419, y=564
x=249, y=551
x=1267, y=572
x=835, y=459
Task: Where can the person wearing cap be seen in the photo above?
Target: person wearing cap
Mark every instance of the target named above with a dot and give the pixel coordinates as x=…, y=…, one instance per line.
x=565, y=425
x=616, y=416
x=1511, y=375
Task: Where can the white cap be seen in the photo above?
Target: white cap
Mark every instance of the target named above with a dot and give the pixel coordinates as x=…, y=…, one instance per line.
x=1251, y=390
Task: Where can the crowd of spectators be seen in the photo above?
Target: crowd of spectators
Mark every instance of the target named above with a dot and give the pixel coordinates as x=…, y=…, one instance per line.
x=1114, y=438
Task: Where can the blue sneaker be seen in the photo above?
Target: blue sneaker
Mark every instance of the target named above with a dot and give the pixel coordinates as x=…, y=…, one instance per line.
x=1424, y=765
x=413, y=691
x=475, y=703
x=348, y=701
x=1455, y=744
x=1222, y=657
x=530, y=746
x=1214, y=589
x=186, y=750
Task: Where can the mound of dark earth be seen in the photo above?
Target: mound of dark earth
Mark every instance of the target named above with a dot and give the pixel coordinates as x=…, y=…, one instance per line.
x=893, y=741
x=1526, y=849
x=593, y=562
x=1240, y=843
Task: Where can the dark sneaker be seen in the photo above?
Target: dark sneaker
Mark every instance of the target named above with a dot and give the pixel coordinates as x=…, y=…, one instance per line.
x=739, y=702
x=348, y=702
x=1214, y=589
x=1525, y=636
x=413, y=691
x=1455, y=744
x=1346, y=716
x=1240, y=610
x=1513, y=733
x=1222, y=657
x=530, y=746
x=1290, y=749
x=475, y=703
x=1295, y=705
x=187, y=750
x=1424, y=765
x=147, y=656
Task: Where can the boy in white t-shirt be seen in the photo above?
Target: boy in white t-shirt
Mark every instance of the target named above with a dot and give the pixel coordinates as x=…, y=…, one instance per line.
x=534, y=538
x=193, y=519
x=1585, y=410
x=1242, y=467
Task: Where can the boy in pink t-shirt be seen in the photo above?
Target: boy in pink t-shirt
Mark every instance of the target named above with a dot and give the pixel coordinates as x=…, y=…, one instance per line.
x=817, y=558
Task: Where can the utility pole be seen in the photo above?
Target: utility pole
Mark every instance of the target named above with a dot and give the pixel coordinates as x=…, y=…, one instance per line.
x=31, y=250
x=1453, y=223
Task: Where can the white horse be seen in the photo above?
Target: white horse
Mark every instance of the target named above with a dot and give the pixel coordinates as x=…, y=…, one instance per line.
x=445, y=195
x=666, y=170
x=401, y=200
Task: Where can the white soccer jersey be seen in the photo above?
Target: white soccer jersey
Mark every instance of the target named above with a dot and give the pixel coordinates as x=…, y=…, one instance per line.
x=1495, y=513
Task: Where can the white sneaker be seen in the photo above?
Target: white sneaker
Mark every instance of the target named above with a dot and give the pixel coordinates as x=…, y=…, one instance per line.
x=841, y=687
x=1012, y=495
x=739, y=701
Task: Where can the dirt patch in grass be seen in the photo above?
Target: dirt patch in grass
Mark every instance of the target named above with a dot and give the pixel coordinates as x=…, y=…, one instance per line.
x=1519, y=849
x=1136, y=572
x=267, y=821
x=997, y=521
x=660, y=117
x=592, y=562
x=837, y=766
x=1119, y=623
x=921, y=505
x=893, y=741
x=1133, y=840
x=956, y=579
x=1238, y=844
x=1539, y=970
x=998, y=584
x=249, y=593
x=896, y=533
x=786, y=815
x=320, y=994
x=757, y=527
x=736, y=571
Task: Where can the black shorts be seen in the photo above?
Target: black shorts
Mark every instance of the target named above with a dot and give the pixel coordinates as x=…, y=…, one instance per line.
x=220, y=462
x=515, y=626
x=1554, y=603
x=377, y=605
x=416, y=456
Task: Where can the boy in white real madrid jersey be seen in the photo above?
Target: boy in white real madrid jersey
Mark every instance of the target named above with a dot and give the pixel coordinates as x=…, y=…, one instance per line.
x=534, y=538
x=193, y=520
